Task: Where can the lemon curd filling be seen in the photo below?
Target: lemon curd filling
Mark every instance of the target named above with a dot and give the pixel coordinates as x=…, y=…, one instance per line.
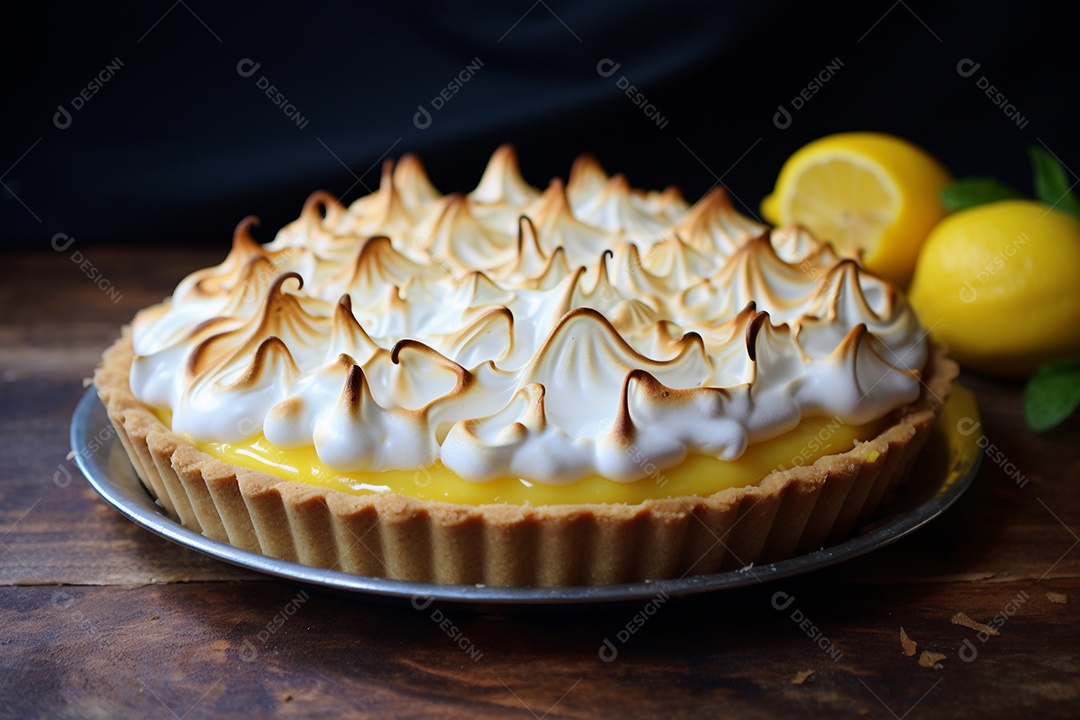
x=696, y=475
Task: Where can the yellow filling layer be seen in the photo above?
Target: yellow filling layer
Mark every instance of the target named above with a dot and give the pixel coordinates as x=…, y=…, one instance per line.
x=696, y=475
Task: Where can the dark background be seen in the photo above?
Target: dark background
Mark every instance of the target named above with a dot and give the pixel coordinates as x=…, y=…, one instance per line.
x=177, y=146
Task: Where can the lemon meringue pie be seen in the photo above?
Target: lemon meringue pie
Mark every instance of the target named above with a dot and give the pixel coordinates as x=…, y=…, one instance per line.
x=585, y=385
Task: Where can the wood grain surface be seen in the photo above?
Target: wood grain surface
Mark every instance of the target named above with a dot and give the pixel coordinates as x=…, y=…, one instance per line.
x=100, y=618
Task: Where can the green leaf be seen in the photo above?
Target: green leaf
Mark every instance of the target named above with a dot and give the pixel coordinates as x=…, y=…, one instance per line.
x=971, y=191
x=1052, y=394
x=1052, y=183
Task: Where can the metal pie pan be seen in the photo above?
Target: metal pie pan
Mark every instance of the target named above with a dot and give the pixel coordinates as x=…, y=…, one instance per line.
x=941, y=475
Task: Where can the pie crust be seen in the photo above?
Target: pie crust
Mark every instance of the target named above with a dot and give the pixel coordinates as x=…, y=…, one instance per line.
x=790, y=512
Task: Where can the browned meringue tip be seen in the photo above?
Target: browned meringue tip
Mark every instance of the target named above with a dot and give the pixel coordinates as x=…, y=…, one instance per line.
x=842, y=280
x=585, y=171
x=552, y=202
x=672, y=194
x=242, y=240
x=320, y=203
x=355, y=393
x=752, y=330
x=502, y=179
x=347, y=332
x=272, y=356
x=716, y=199
x=531, y=259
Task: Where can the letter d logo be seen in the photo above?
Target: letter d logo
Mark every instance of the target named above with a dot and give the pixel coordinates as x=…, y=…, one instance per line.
x=61, y=242
x=967, y=67
x=247, y=67
x=782, y=118
x=248, y=651
x=968, y=293
x=608, y=652
x=61, y=478
x=62, y=118
x=782, y=601
x=422, y=118
x=607, y=67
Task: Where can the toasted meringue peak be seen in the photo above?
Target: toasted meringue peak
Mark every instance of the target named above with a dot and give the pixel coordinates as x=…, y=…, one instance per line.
x=412, y=184
x=557, y=227
x=347, y=336
x=713, y=227
x=380, y=212
x=587, y=179
x=513, y=332
x=531, y=261
x=502, y=181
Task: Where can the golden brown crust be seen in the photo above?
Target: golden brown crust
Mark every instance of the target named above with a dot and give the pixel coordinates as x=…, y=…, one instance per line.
x=790, y=512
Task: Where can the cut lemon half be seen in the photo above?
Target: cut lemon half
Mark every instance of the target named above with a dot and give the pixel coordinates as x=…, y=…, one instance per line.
x=873, y=196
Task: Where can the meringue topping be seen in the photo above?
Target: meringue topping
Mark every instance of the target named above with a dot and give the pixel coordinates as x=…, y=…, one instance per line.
x=514, y=332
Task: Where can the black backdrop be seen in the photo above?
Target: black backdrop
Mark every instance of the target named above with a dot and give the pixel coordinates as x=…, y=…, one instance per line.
x=179, y=140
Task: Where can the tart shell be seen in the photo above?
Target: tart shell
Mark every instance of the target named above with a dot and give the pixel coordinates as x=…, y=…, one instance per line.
x=790, y=512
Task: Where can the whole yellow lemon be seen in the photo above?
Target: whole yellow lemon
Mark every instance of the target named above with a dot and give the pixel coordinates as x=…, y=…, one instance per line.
x=1000, y=285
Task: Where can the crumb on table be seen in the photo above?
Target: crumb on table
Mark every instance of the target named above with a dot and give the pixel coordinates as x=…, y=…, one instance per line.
x=907, y=644
x=931, y=660
x=962, y=619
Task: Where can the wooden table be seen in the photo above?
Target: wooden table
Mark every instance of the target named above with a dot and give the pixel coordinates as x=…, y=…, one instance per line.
x=100, y=618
